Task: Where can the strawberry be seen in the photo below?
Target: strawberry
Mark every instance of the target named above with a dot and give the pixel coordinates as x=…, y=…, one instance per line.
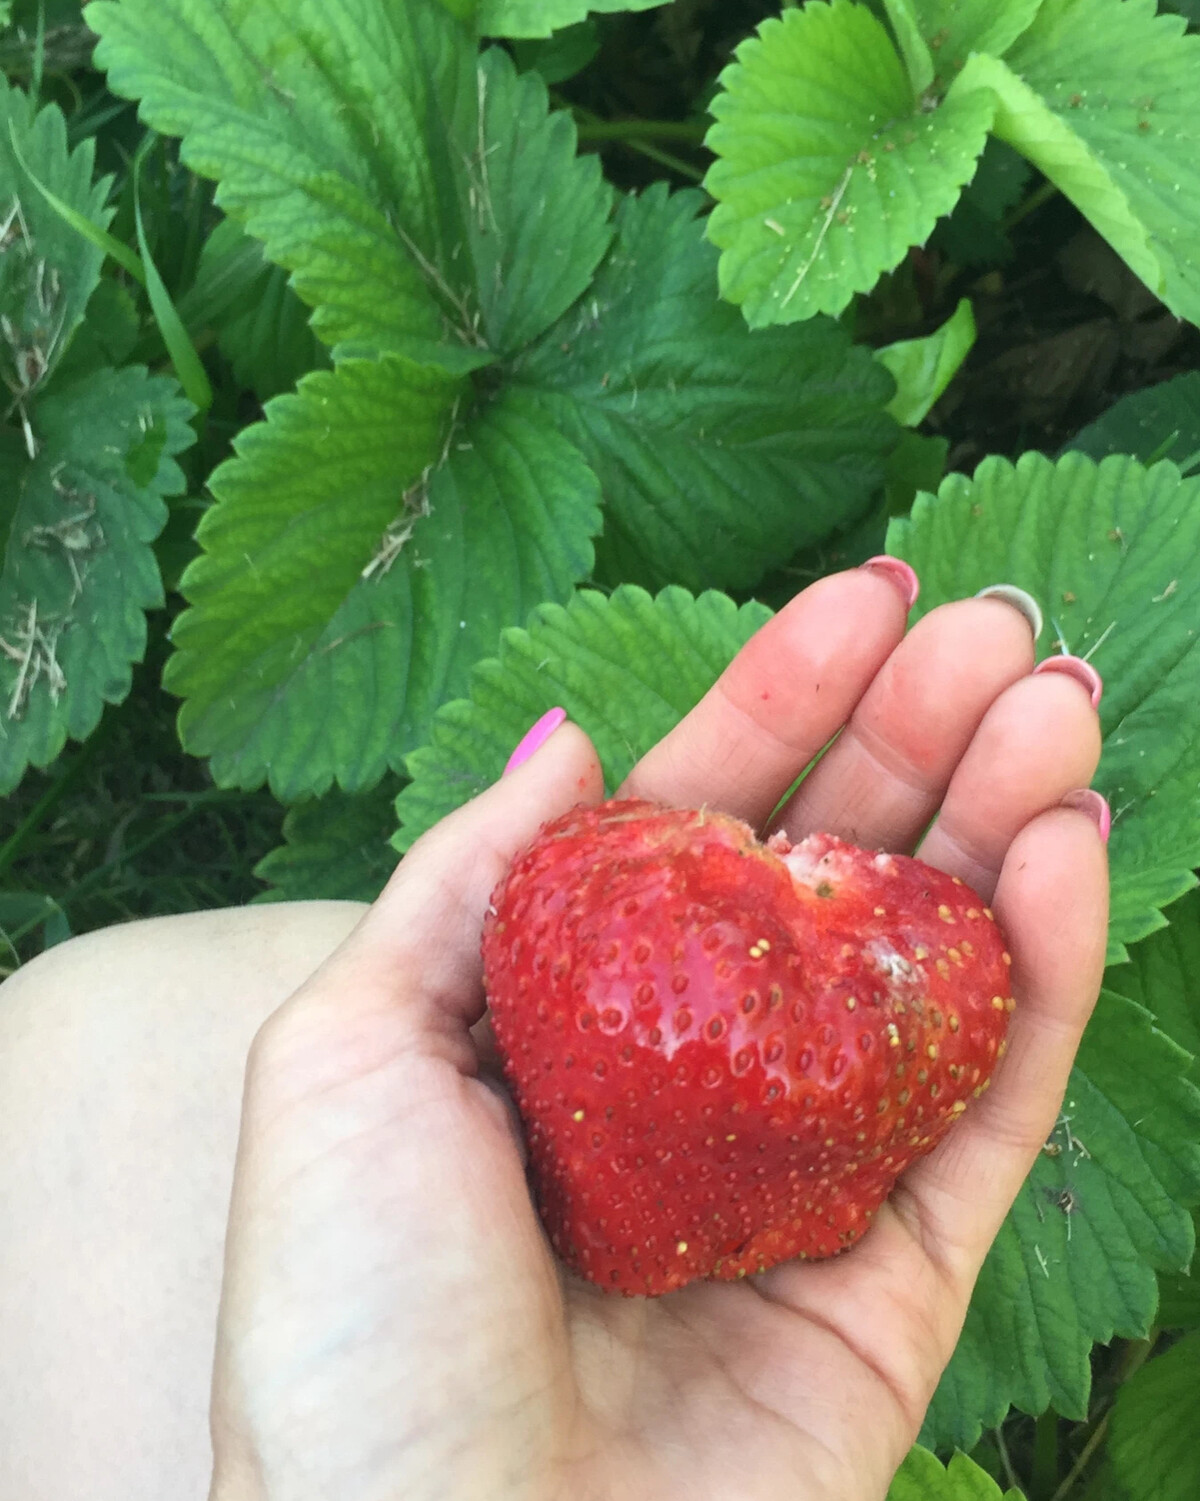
x=725, y=1052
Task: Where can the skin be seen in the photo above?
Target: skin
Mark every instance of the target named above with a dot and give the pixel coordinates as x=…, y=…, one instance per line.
x=392, y=1323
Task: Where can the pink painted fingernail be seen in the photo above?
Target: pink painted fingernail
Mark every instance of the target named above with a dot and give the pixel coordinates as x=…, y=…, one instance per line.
x=900, y=574
x=1088, y=801
x=535, y=738
x=1083, y=672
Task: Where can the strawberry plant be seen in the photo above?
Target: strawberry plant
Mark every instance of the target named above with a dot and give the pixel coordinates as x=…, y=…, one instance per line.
x=386, y=372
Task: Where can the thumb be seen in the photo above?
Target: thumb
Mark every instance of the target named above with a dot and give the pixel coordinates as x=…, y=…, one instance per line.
x=415, y=955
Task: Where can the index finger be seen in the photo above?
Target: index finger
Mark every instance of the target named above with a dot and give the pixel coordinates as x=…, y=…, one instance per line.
x=786, y=693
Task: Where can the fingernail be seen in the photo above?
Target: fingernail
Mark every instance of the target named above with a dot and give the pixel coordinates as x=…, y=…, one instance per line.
x=900, y=574
x=1020, y=601
x=535, y=738
x=1083, y=672
x=1088, y=801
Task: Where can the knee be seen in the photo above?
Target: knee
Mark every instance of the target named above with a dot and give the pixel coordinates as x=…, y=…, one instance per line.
x=193, y=987
x=121, y=1062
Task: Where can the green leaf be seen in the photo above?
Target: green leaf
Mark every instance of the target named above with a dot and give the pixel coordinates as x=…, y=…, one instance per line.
x=262, y=326
x=975, y=233
x=228, y=274
x=1190, y=9
x=718, y=450
x=1163, y=974
x=1179, y=1301
x=79, y=570
x=96, y=236
x=1101, y=97
x=351, y=577
x=955, y=29
x=461, y=10
x=1109, y=551
x=47, y=270
x=1152, y=1441
x=536, y=215
x=541, y=17
x=1105, y=1205
x=337, y=848
x=1179, y=1294
x=922, y=1478
x=562, y=55
x=300, y=510
x=914, y=49
x=918, y=463
x=829, y=168
x=923, y=368
x=1160, y=422
x=627, y=668
x=270, y=344
x=107, y=336
x=273, y=107
x=425, y=200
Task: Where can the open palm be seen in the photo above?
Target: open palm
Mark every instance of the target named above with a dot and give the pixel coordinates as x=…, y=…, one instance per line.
x=393, y=1323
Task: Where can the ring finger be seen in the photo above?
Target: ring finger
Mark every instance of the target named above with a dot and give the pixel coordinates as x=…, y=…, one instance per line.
x=1039, y=741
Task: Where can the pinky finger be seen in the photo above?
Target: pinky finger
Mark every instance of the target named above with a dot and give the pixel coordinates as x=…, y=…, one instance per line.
x=1052, y=903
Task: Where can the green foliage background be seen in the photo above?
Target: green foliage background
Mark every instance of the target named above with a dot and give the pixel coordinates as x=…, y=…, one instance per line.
x=377, y=375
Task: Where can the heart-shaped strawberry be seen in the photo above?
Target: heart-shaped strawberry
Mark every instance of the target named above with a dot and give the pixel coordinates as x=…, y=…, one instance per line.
x=725, y=1052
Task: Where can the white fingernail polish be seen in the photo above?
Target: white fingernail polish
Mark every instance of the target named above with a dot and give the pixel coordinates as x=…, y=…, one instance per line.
x=1020, y=601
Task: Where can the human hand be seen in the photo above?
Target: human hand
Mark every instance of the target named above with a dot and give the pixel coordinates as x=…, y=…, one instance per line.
x=393, y=1323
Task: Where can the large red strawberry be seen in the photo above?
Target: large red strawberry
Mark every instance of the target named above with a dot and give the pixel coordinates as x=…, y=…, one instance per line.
x=725, y=1052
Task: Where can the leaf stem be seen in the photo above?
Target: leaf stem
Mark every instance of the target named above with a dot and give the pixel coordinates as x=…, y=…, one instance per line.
x=595, y=129
x=666, y=159
x=1085, y=1457
x=1030, y=205
x=210, y=795
x=1137, y=1352
x=38, y=68
x=1002, y=1449
x=620, y=133
x=1044, y=1475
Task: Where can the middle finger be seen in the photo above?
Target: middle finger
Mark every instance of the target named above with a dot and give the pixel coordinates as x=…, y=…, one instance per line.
x=883, y=779
x=790, y=688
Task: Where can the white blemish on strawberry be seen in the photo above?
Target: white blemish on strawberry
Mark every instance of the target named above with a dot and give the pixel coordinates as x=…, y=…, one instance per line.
x=811, y=863
x=888, y=962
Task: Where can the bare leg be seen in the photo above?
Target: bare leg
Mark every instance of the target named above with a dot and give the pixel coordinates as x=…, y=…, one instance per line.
x=121, y=1061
